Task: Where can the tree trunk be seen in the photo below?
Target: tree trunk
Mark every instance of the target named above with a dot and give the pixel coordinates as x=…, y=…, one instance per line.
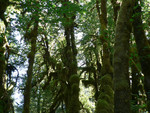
x=31, y=56
x=71, y=92
x=2, y=70
x=121, y=59
x=104, y=104
x=143, y=49
x=4, y=107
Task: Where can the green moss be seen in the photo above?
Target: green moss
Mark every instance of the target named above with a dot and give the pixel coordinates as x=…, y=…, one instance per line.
x=121, y=85
x=102, y=106
x=74, y=79
x=74, y=105
x=106, y=80
x=104, y=96
x=75, y=88
x=108, y=90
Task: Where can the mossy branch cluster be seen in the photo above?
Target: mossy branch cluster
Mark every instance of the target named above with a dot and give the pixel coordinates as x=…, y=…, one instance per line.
x=74, y=101
x=105, y=99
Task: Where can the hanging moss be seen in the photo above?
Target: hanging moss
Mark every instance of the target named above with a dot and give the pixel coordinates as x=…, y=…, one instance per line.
x=102, y=106
x=104, y=97
x=74, y=104
x=75, y=88
x=108, y=90
x=106, y=80
x=74, y=79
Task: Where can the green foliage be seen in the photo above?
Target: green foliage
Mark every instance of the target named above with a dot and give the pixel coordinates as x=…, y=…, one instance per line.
x=53, y=63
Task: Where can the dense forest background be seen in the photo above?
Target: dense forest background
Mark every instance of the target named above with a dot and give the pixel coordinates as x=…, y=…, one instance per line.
x=75, y=56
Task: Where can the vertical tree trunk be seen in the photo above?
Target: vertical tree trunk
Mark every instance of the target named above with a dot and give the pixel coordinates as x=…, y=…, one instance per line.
x=31, y=56
x=4, y=107
x=143, y=49
x=2, y=70
x=70, y=52
x=121, y=59
x=104, y=104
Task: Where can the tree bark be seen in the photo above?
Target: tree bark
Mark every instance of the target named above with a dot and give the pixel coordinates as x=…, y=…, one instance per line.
x=143, y=49
x=121, y=59
x=4, y=97
x=31, y=55
x=71, y=92
x=107, y=70
x=2, y=72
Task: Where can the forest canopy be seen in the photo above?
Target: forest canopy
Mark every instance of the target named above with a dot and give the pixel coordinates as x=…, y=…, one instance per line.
x=74, y=56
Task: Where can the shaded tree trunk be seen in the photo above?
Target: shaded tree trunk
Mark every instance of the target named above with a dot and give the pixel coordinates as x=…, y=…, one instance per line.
x=121, y=59
x=2, y=73
x=31, y=56
x=5, y=103
x=72, y=79
x=143, y=49
x=104, y=104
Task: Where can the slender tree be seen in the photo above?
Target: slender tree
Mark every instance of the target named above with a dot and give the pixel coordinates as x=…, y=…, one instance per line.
x=104, y=104
x=33, y=37
x=70, y=62
x=4, y=97
x=2, y=71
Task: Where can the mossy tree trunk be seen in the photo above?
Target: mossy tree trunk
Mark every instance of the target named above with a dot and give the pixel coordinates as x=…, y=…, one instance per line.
x=4, y=97
x=121, y=59
x=105, y=99
x=31, y=55
x=143, y=49
x=2, y=72
x=69, y=59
